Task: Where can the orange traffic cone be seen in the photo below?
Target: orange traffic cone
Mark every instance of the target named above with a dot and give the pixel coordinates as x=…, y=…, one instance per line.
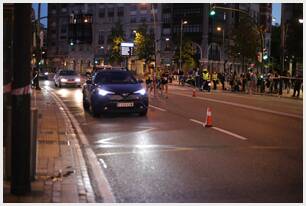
x=193, y=93
x=208, y=122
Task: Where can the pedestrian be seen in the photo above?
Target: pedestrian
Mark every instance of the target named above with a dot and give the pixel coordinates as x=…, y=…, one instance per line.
x=297, y=86
x=164, y=83
x=222, y=80
x=149, y=81
x=35, y=79
x=215, y=79
x=248, y=81
x=197, y=78
x=206, y=78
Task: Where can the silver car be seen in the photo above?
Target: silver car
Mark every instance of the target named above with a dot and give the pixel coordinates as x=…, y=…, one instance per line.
x=67, y=78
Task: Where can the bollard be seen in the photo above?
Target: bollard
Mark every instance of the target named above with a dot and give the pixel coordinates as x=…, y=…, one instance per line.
x=34, y=117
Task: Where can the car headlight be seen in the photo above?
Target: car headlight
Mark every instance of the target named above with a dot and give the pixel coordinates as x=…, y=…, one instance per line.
x=46, y=73
x=77, y=79
x=141, y=91
x=63, y=80
x=103, y=92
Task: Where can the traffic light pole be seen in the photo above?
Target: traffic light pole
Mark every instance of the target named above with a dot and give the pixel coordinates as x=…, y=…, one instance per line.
x=21, y=100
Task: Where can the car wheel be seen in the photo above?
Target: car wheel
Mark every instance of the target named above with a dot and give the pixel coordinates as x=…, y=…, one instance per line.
x=94, y=110
x=144, y=113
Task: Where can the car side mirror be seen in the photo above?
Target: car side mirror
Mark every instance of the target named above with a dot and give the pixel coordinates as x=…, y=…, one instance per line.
x=88, y=81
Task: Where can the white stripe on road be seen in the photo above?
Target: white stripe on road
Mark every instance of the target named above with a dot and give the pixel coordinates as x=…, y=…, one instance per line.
x=230, y=133
x=221, y=130
x=196, y=121
x=158, y=108
x=245, y=106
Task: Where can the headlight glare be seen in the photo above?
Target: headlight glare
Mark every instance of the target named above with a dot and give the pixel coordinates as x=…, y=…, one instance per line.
x=141, y=91
x=77, y=79
x=103, y=92
x=63, y=80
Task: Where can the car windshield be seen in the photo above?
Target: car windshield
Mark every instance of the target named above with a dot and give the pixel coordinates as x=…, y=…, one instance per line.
x=67, y=73
x=117, y=77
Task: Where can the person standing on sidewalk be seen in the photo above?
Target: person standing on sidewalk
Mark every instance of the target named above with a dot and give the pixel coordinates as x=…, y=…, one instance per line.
x=206, y=78
x=197, y=78
x=222, y=79
x=215, y=79
x=297, y=86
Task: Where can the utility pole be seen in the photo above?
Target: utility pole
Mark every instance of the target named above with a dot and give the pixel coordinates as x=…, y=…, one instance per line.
x=38, y=49
x=21, y=100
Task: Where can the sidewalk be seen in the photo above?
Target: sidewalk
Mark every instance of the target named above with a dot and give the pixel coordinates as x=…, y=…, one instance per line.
x=61, y=173
x=219, y=89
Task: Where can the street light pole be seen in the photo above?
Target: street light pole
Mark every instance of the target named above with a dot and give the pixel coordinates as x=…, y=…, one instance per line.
x=182, y=23
x=155, y=47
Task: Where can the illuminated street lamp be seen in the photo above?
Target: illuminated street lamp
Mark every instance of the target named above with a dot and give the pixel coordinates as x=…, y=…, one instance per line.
x=167, y=39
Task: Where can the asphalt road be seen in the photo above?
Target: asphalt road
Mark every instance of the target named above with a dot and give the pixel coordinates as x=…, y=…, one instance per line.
x=253, y=153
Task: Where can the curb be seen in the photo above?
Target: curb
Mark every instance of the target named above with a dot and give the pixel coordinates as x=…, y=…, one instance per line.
x=100, y=184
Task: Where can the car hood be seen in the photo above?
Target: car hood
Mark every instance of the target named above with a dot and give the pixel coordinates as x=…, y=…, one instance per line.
x=70, y=76
x=121, y=88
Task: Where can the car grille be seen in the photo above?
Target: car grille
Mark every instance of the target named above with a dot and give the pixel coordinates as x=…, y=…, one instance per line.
x=121, y=97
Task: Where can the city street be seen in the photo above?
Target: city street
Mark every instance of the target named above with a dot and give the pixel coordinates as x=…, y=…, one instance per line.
x=253, y=152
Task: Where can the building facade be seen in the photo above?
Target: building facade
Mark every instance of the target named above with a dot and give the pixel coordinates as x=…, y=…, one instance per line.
x=83, y=55
x=209, y=34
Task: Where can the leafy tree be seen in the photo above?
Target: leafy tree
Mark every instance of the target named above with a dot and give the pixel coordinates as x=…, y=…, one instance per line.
x=116, y=38
x=246, y=41
x=188, y=55
x=144, y=45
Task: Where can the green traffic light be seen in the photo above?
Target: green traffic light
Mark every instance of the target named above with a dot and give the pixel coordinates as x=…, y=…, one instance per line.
x=212, y=13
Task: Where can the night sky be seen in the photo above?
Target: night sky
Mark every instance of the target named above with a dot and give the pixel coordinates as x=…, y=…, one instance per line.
x=276, y=12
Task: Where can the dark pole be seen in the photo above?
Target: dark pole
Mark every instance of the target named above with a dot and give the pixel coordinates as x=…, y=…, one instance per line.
x=38, y=46
x=21, y=101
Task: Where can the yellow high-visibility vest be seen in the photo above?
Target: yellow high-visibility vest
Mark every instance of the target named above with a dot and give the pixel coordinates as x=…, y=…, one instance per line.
x=206, y=76
x=214, y=76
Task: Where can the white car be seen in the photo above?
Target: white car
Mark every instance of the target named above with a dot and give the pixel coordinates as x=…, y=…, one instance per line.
x=67, y=78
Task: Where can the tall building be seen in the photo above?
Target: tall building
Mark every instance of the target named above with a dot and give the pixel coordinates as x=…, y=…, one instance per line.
x=102, y=18
x=292, y=37
x=210, y=34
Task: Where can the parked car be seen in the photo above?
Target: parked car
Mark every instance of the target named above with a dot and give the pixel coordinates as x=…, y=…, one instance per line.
x=67, y=78
x=114, y=90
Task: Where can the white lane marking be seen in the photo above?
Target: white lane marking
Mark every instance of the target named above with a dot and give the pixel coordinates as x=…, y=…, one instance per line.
x=221, y=130
x=103, y=163
x=230, y=133
x=246, y=106
x=99, y=177
x=196, y=121
x=158, y=108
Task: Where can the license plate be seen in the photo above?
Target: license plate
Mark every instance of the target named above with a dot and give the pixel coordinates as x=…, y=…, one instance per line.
x=125, y=104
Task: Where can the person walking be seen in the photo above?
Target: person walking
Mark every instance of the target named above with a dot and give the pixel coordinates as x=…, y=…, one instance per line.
x=164, y=83
x=149, y=82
